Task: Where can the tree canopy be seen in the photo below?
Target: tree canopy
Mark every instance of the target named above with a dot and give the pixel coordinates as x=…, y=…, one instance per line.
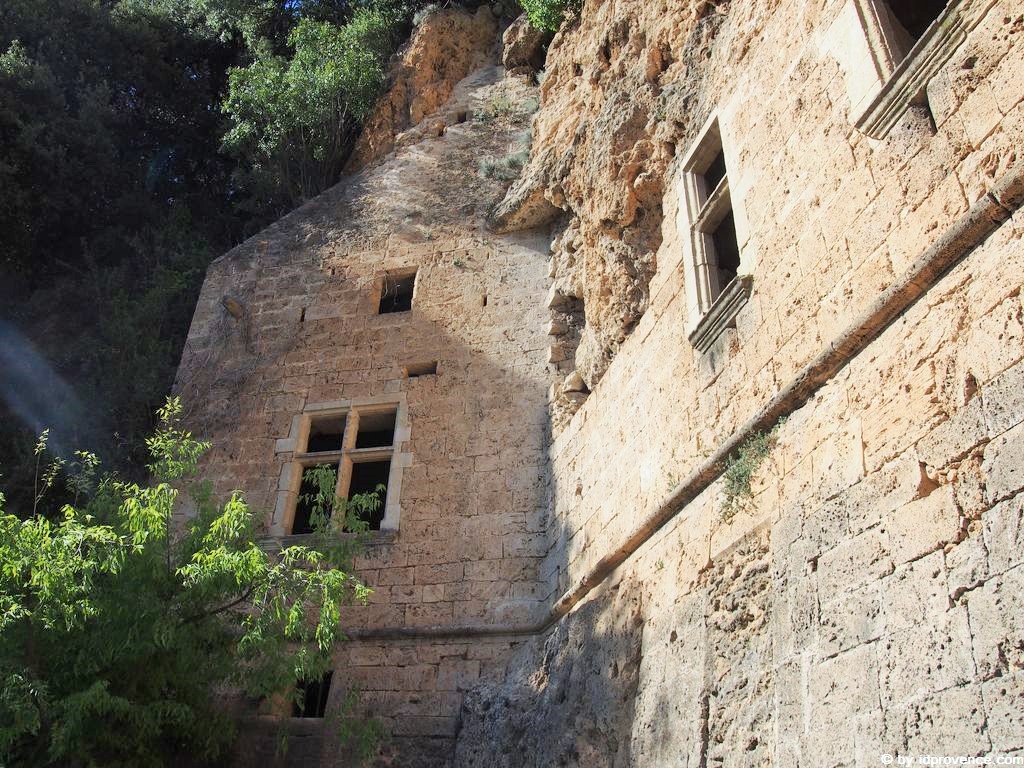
x=294, y=118
x=139, y=139
x=112, y=614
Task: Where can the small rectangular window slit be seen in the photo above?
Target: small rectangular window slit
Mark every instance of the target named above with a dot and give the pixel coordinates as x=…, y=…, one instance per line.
x=415, y=370
x=483, y=300
x=396, y=292
x=311, y=700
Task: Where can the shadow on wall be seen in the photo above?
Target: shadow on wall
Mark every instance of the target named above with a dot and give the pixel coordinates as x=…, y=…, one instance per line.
x=568, y=699
x=474, y=499
x=707, y=677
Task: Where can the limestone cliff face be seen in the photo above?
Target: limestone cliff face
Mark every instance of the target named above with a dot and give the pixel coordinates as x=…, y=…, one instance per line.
x=445, y=47
x=626, y=85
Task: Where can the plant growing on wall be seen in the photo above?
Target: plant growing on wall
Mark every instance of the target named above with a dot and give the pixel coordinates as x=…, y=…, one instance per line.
x=119, y=623
x=741, y=468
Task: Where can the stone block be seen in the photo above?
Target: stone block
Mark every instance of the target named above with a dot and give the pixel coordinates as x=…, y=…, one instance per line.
x=361, y=655
x=324, y=312
x=439, y=574
x=428, y=614
x=997, y=621
x=433, y=593
x=827, y=526
x=980, y=114
x=955, y=437
x=839, y=689
x=915, y=594
x=967, y=563
x=1004, y=704
x=885, y=490
x=1004, y=400
x=838, y=462
x=927, y=658
x=1004, y=465
x=850, y=620
x=457, y=674
x=997, y=340
x=483, y=570
x=394, y=576
x=1003, y=531
x=864, y=558
x=924, y=525
x=948, y=723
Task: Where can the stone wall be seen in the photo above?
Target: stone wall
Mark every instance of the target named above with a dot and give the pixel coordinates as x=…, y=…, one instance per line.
x=823, y=231
x=863, y=601
x=288, y=321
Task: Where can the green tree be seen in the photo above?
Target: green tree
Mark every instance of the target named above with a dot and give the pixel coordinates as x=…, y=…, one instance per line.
x=119, y=623
x=549, y=14
x=293, y=119
x=116, y=191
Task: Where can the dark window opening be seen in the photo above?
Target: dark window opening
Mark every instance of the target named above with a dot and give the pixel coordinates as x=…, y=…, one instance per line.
x=916, y=15
x=396, y=294
x=727, y=251
x=715, y=172
x=325, y=434
x=303, y=520
x=376, y=430
x=483, y=300
x=312, y=698
x=302, y=315
x=421, y=369
x=366, y=477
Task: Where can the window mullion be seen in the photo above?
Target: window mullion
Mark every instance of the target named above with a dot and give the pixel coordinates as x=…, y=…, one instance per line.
x=348, y=442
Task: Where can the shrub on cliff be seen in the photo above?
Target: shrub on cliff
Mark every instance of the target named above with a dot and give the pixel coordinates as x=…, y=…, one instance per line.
x=292, y=119
x=548, y=14
x=118, y=627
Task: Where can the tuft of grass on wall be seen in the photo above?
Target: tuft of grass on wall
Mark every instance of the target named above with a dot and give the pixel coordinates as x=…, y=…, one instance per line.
x=742, y=467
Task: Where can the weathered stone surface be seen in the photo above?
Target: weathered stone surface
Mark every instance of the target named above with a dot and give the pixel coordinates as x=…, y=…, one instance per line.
x=863, y=597
x=447, y=46
x=523, y=46
x=567, y=699
x=997, y=620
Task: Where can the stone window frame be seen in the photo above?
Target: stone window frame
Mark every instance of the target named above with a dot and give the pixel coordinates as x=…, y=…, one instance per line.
x=901, y=77
x=711, y=308
x=380, y=285
x=296, y=461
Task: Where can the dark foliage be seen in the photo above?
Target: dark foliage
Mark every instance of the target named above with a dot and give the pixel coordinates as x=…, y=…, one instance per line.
x=116, y=191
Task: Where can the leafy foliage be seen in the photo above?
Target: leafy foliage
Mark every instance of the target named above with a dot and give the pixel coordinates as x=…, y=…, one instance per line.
x=293, y=118
x=115, y=612
x=549, y=14
x=742, y=467
x=116, y=190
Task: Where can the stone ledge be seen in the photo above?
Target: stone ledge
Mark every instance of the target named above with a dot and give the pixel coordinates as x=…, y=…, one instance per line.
x=371, y=539
x=922, y=63
x=722, y=313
